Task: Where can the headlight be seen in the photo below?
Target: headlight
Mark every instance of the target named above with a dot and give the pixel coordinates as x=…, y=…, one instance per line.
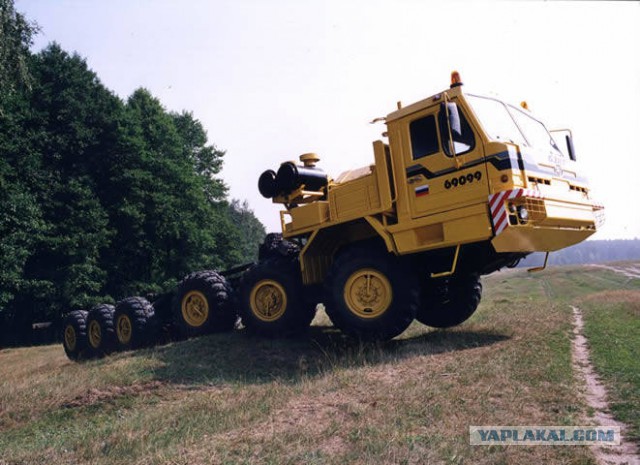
x=523, y=214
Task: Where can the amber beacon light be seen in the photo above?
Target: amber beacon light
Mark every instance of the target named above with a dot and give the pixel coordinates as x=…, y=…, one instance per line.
x=455, y=79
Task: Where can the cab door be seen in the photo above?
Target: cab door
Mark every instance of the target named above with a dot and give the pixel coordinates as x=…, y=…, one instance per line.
x=438, y=180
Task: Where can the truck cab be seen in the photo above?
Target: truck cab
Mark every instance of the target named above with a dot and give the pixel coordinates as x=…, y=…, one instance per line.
x=462, y=180
x=493, y=165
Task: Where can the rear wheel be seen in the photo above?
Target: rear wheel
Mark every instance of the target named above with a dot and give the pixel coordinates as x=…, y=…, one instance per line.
x=75, y=334
x=272, y=299
x=134, y=320
x=201, y=304
x=450, y=301
x=371, y=295
x=101, y=337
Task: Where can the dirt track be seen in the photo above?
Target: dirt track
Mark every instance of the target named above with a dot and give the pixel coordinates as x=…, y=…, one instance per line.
x=596, y=397
x=630, y=271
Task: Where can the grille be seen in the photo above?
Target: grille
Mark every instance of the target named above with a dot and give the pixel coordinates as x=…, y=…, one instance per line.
x=536, y=209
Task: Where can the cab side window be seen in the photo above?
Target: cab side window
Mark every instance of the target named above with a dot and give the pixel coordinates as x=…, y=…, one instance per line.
x=462, y=143
x=424, y=137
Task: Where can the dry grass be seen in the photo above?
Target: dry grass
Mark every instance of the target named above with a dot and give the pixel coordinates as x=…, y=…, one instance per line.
x=629, y=298
x=34, y=381
x=318, y=399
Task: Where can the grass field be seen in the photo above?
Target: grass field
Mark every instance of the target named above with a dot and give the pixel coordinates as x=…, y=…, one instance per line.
x=323, y=399
x=613, y=328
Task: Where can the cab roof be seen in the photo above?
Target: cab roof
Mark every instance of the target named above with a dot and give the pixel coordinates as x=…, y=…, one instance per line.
x=422, y=104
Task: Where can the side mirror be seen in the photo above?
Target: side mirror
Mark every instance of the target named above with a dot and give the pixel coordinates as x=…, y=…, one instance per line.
x=570, y=149
x=568, y=139
x=451, y=110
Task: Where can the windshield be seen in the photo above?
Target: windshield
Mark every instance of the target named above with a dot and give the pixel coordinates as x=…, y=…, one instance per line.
x=507, y=123
x=534, y=130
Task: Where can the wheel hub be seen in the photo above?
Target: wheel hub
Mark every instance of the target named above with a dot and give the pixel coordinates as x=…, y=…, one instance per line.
x=124, y=329
x=368, y=293
x=195, y=308
x=95, y=334
x=70, y=338
x=268, y=300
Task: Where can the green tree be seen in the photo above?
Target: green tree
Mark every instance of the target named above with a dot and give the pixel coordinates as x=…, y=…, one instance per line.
x=20, y=217
x=56, y=151
x=100, y=198
x=20, y=214
x=206, y=159
x=166, y=215
x=16, y=35
x=251, y=230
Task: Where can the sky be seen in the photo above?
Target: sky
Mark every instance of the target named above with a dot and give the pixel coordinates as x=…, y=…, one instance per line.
x=273, y=79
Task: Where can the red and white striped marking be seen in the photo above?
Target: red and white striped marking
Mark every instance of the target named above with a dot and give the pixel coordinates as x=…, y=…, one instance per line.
x=498, y=208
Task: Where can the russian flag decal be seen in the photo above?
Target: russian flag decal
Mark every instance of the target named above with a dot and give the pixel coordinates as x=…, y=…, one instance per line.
x=422, y=190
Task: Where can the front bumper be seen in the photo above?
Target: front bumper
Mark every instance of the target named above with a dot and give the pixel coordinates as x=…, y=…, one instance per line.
x=552, y=224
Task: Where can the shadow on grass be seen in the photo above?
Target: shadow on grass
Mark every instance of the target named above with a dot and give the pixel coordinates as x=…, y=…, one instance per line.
x=239, y=358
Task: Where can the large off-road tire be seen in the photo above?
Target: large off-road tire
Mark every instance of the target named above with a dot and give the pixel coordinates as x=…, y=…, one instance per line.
x=450, y=302
x=371, y=295
x=134, y=321
x=101, y=336
x=201, y=305
x=74, y=331
x=275, y=246
x=272, y=299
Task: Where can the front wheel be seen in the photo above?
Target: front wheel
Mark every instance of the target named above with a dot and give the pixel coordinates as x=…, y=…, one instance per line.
x=450, y=302
x=371, y=295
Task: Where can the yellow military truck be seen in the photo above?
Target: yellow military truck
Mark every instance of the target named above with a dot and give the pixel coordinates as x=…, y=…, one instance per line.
x=462, y=186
